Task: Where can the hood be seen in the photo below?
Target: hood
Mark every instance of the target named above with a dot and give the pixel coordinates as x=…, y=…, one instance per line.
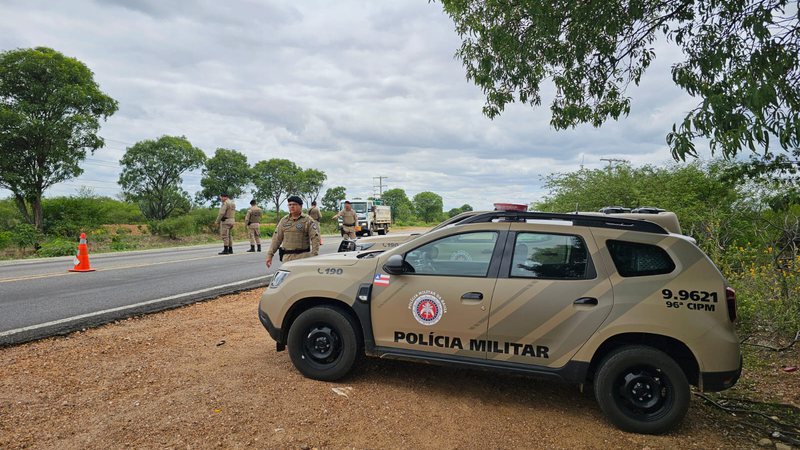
x=329, y=260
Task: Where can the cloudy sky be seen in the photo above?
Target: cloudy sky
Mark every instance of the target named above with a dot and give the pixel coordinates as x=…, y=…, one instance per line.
x=358, y=89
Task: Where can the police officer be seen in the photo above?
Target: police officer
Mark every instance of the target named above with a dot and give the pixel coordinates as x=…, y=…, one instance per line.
x=253, y=221
x=295, y=232
x=225, y=219
x=313, y=212
x=349, y=220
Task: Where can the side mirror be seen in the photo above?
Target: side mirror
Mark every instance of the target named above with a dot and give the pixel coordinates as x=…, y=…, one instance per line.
x=395, y=265
x=347, y=246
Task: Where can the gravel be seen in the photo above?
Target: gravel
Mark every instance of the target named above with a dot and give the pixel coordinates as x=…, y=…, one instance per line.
x=208, y=375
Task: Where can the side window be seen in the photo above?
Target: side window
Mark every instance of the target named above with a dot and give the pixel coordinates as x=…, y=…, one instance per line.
x=466, y=255
x=633, y=259
x=550, y=256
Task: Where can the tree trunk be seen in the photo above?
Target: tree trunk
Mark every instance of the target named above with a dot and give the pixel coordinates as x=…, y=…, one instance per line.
x=23, y=208
x=38, y=215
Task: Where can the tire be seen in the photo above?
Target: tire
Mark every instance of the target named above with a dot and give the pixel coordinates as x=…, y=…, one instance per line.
x=381, y=231
x=324, y=343
x=642, y=390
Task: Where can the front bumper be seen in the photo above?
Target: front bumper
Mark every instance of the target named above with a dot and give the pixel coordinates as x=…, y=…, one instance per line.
x=719, y=381
x=274, y=332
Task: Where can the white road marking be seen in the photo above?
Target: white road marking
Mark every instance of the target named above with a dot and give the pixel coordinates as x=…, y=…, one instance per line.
x=123, y=308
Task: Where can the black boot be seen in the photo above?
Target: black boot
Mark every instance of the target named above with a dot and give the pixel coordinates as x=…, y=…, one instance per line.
x=224, y=251
x=230, y=250
x=259, y=247
x=252, y=249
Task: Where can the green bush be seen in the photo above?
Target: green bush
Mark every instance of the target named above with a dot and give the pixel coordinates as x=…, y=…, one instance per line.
x=174, y=227
x=57, y=247
x=69, y=216
x=203, y=219
x=120, y=243
x=5, y=239
x=25, y=235
x=267, y=230
x=9, y=215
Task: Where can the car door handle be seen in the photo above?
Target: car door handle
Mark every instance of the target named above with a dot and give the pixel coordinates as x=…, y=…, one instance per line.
x=591, y=301
x=472, y=296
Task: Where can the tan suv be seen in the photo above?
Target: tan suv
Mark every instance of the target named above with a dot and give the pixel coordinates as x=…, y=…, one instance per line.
x=636, y=311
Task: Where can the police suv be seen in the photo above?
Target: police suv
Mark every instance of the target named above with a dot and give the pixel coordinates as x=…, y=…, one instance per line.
x=628, y=305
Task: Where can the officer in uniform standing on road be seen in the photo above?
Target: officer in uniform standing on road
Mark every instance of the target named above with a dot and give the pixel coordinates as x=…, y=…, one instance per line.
x=349, y=221
x=253, y=221
x=225, y=219
x=295, y=231
x=314, y=213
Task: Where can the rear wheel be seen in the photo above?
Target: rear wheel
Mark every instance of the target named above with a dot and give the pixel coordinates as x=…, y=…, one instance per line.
x=323, y=343
x=642, y=390
x=382, y=231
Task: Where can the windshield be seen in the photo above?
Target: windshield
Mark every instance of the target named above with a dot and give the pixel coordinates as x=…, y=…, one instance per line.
x=359, y=207
x=455, y=219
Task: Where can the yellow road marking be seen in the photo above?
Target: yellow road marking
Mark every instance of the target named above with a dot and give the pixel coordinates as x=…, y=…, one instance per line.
x=105, y=269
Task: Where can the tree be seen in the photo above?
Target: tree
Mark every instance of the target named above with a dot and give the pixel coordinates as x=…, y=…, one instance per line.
x=428, y=206
x=311, y=181
x=402, y=208
x=456, y=211
x=742, y=61
x=697, y=193
x=332, y=197
x=226, y=172
x=151, y=174
x=275, y=180
x=777, y=176
x=50, y=107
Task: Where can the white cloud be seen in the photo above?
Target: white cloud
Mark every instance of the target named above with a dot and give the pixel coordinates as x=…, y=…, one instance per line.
x=355, y=88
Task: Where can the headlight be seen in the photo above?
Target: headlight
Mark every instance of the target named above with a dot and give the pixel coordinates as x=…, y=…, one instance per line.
x=278, y=278
x=366, y=246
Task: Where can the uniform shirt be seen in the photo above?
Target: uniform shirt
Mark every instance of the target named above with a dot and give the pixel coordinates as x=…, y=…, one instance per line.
x=226, y=211
x=314, y=213
x=295, y=234
x=253, y=215
x=349, y=218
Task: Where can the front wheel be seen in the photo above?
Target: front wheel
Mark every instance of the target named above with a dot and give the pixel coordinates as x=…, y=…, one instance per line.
x=323, y=343
x=642, y=390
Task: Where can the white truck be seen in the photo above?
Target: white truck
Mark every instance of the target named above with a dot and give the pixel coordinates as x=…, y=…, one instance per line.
x=373, y=217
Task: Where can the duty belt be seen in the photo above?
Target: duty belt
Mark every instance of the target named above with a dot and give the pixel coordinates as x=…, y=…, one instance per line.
x=349, y=224
x=296, y=251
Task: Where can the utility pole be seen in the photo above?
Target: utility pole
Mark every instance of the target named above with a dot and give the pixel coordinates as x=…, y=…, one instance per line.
x=613, y=160
x=379, y=186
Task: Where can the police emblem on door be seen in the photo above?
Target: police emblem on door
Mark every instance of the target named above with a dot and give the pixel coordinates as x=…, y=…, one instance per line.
x=427, y=307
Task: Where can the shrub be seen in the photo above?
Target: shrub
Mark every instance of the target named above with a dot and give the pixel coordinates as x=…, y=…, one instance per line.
x=9, y=215
x=174, y=227
x=25, y=235
x=5, y=239
x=119, y=243
x=267, y=230
x=57, y=247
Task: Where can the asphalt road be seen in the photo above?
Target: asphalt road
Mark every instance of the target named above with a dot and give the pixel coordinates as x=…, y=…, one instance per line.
x=40, y=298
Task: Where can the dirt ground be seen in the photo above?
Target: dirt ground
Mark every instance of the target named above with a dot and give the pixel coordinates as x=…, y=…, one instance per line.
x=208, y=375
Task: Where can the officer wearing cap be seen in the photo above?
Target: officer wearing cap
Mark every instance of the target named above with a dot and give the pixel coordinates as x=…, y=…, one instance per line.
x=253, y=221
x=296, y=235
x=225, y=220
x=349, y=220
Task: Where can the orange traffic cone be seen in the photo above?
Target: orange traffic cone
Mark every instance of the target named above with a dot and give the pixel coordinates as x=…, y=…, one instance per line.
x=82, y=260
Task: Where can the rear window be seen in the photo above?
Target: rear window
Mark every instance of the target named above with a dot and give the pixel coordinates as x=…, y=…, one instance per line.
x=633, y=259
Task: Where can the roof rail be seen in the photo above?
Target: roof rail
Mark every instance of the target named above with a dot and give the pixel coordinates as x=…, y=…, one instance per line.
x=605, y=221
